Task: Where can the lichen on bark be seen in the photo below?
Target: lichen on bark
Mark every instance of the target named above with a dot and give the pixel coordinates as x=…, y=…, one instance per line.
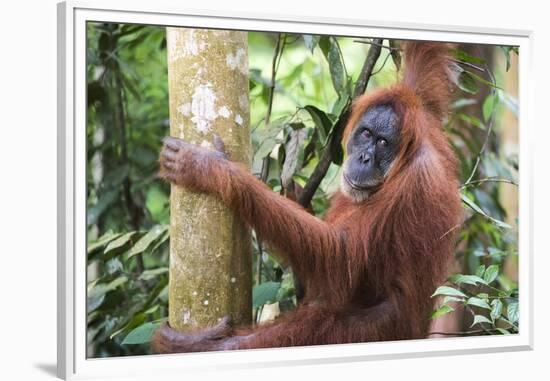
x=210, y=249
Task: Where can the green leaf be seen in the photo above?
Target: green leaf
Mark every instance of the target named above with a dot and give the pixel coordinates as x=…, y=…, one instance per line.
x=257, y=79
x=483, y=295
x=287, y=289
x=480, y=270
x=130, y=28
x=100, y=244
x=477, y=209
x=484, y=81
x=265, y=148
x=147, y=240
x=331, y=50
x=266, y=138
x=491, y=273
x=494, y=251
x=163, y=295
x=450, y=291
x=157, y=203
x=480, y=319
x=264, y=293
x=341, y=104
x=461, y=55
x=151, y=309
x=119, y=245
x=97, y=291
x=506, y=50
x=294, y=152
x=322, y=122
x=496, y=309
x=443, y=310
x=113, y=265
x=101, y=288
x=138, y=314
x=512, y=312
x=95, y=211
x=131, y=85
x=472, y=120
x=448, y=299
x=94, y=301
x=296, y=125
x=164, y=237
x=467, y=83
x=473, y=280
x=463, y=102
x=141, y=334
x=153, y=273
x=292, y=78
x=311, y=41
x=473, y=301
x=489, y=107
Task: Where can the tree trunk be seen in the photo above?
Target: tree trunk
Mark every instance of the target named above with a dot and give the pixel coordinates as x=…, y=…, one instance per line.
x=210, y=249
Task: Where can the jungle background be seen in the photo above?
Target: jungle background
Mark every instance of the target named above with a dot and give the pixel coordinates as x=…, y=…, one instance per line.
x=302, y=84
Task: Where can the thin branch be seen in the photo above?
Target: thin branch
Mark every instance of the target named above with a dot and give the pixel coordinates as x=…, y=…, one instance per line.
x=368, y=67
x=476, y=182
x=335, y=138
x=488, y=180
x=451, y=230
x=381, y=45
x=468, y=64
x=489, y=128
x=274, y=66
x=456, y=227
x=383, y=64
x=279, y=53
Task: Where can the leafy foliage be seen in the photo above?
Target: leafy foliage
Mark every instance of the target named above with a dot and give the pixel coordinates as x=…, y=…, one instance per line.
x=300, y=87
x=127, y=207
x=486, y=243
x=489, y=300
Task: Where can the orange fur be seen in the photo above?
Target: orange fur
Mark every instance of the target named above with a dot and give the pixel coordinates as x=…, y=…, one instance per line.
x=369, y=268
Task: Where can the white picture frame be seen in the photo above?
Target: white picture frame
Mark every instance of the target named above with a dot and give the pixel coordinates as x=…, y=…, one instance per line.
x=72, y=18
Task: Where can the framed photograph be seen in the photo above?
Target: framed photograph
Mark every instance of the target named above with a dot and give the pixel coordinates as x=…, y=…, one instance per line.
x=240, y=189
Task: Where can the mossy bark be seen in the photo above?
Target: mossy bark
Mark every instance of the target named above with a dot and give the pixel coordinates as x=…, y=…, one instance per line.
x=210, y=249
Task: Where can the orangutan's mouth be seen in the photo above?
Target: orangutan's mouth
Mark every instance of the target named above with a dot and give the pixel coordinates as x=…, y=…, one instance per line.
x=361, y=188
